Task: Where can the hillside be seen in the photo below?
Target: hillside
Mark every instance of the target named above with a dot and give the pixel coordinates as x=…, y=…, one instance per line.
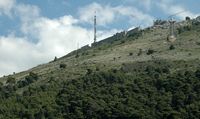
x=137, y=75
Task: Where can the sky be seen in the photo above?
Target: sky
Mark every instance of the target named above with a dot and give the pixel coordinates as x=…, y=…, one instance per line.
x=33, y=32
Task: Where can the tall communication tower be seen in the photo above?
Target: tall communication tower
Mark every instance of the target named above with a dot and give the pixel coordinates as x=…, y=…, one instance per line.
x=95, y=27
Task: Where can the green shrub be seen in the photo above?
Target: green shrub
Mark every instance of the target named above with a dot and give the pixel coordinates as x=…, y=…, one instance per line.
x=1, y=84
x=171, y=47
x=89, y=71
x=114, y=70
x=123, y=41
x=197, y=73
x=31, y=78
x=77, y=55
x=187, y=18
x=143, y=90
x=55, y=59
x=150, y=51
x=183, y=29
x=140, y=52
x=63, y=66
x=97, y=69
x=11, y=80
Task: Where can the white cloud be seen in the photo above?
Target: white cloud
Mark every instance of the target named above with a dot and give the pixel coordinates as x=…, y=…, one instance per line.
x=170, y=8
x=6, y=6
x=105, y=13
x=27, y=12
x=55, y=37
x=145, y=4
x=136, y=17
x=15, y=54
x=108, y=14
x=59, y=36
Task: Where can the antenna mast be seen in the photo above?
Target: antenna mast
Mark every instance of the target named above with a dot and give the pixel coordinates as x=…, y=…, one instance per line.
x=95, y=29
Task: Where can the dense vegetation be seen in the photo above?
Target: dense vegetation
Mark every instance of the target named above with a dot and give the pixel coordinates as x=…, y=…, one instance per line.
x=142, y=90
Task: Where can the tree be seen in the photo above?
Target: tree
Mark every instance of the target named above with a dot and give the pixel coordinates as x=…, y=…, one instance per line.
x=171, y=47
x=140, y=52
x=63, y=66
x=55, y=59
x=130, y=54
x=187, y=18
x=1, y=86
x=11, y=80
x=197, y=73
x=150, y=51
x=89, y=71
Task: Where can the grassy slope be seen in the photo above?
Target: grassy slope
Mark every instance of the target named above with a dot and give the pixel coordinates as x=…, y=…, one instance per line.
x=107, y=56
x=113, y=55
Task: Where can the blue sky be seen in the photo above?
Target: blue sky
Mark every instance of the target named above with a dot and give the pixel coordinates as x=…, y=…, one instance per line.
x=35, y=31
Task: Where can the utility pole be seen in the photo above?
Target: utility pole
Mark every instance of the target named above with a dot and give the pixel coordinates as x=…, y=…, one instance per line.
x=95, y=28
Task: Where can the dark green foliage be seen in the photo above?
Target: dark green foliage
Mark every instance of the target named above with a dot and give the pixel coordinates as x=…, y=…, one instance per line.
x=140, y=52
x=89, y=71
x=184, y=28
x=197, y=73
x=62, y=66
x=97, y=69
x=85, y=53
x=1, y=84
x=31, y=78
x=145, y=90
x=171, y=47
x=123, y=41
x=198, y=43
x=114, y=70
x=11, y=80
x=130, y=54
x=55, y=59
x=150, y=51
x=77, y=55
x=187, y=18
x=118, y=95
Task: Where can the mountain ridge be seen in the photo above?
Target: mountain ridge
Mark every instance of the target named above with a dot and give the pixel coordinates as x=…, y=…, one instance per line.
x=136, y=32
x=137, y=75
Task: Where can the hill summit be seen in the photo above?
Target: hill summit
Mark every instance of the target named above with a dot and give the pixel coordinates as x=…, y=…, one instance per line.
x=134, y=74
